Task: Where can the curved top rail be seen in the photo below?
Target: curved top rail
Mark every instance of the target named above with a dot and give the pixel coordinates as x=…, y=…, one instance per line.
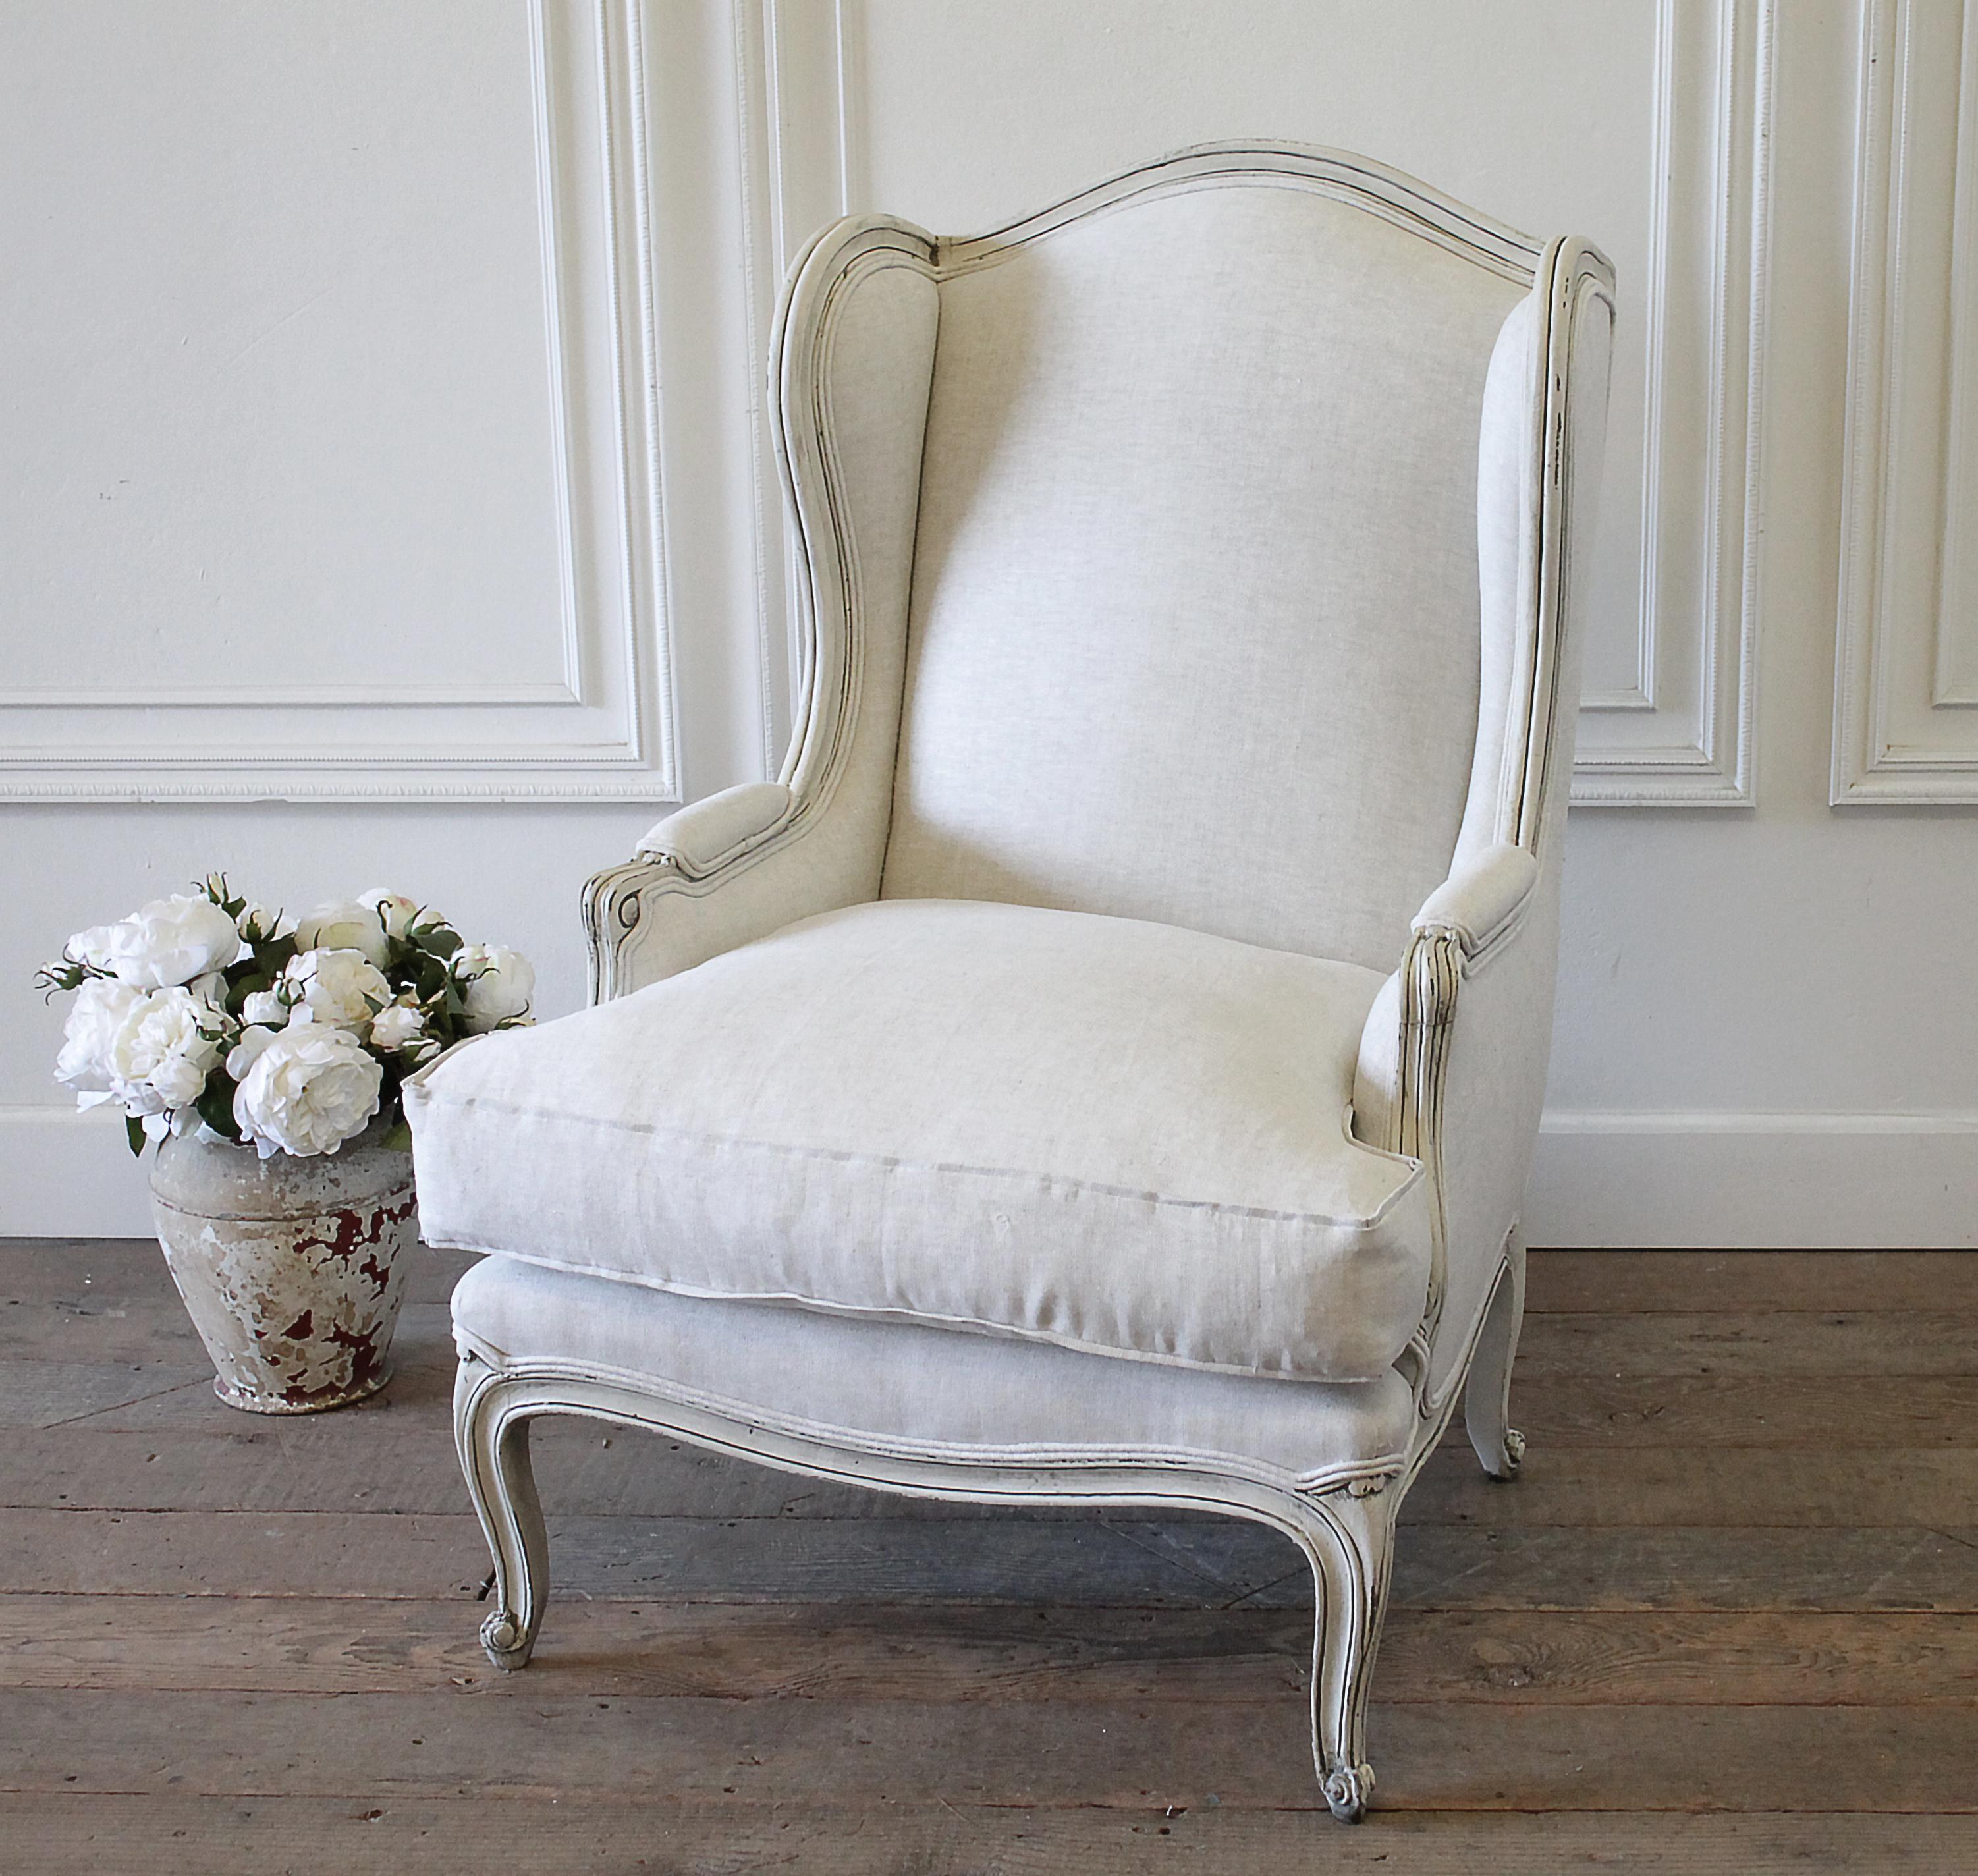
x=1393, y=196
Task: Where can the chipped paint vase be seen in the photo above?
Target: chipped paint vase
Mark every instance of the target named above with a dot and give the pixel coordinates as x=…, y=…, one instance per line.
x=292, y=1269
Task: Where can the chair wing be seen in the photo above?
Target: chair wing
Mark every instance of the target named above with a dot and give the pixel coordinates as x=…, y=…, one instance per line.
x=1162, y=556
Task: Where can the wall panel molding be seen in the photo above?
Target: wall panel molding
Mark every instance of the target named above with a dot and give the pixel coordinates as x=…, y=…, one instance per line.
x=1680, y=733
x=605, y=729
x=1906, y=683
x=1677, y=731
x=801, y=168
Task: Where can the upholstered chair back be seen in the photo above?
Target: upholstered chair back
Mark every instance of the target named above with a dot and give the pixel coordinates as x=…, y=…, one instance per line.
x=1194, y=626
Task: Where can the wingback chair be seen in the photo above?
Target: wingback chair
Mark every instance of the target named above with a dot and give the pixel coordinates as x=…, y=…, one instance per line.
x=1103, y=1068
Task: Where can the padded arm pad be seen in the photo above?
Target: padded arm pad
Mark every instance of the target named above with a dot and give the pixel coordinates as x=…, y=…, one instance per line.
x=699, y=837
x=1479, y=904
x=1482, y=898
x=723, y=872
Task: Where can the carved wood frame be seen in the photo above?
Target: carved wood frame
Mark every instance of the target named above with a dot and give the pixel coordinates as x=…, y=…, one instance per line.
x=1342, y=1520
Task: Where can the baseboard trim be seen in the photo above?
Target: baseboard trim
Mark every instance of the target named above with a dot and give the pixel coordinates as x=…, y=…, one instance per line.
x=1716, y=1180
x=1740, y=1181
x=68, y=1174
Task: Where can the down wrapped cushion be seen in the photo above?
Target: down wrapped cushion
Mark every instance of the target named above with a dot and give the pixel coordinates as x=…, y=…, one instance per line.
x=1106, y=1134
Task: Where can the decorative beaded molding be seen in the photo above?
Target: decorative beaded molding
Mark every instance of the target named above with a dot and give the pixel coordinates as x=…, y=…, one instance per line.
x=1906, y=684
x=1679, y=732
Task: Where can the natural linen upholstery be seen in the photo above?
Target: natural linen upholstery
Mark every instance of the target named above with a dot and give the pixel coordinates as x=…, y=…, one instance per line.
x=1196, y=630
x=1103, y=1067
x=1102, y=1133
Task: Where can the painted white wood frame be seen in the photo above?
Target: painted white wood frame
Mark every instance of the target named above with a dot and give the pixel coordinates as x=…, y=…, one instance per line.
x=1906, y=685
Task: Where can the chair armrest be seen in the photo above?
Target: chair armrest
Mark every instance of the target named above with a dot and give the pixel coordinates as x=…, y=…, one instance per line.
x=1463, y=1095
x=1482, y=901
x=722, y=872
x=1473, y=911
x=706, y=834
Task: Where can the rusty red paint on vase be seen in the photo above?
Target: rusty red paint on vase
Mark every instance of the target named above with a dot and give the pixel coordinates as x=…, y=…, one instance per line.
x=266, y=1255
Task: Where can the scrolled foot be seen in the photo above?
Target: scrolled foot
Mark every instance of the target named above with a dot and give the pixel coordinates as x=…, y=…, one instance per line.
x=1514, y=1452
x=507, y=1647
x=1347, y=1789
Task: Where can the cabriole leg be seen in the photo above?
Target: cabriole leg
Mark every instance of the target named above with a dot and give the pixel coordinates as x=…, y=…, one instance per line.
x=1487, y=1395
x=1350, y=1540
x=494, y=1449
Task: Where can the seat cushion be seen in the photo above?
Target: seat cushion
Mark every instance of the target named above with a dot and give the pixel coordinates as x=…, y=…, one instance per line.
x=903, y=1388
x=1116, y=1135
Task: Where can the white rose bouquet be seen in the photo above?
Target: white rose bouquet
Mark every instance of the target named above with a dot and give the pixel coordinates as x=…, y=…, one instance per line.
x=204, y=1010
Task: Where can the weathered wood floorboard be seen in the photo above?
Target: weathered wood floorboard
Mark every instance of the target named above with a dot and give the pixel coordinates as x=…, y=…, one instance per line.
x=1740, y=1576
x=1764, y=1343
x=968, y=1652
x=62, y=1834
x=1442, y=1755
x=403, y=1466
x=1088, y=1562
x=1650, y=1282
x=1831, y=1343
x=1556, y=1412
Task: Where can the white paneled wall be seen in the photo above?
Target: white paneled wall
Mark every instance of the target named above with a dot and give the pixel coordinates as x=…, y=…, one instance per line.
x=1906, y=718
x=1640, y=123
x=356, y=531
x=391, y=502
x=337, y=365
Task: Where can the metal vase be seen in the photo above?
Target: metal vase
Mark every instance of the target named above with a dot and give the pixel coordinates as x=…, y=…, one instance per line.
x=292, y=1270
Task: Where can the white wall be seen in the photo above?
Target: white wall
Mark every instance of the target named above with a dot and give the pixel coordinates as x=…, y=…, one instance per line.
x=324, y=451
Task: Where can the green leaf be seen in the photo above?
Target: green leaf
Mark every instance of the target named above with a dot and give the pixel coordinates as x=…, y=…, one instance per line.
x=238, y=993
x=215, y=1106
x=133, y=1131
x=399, y=1140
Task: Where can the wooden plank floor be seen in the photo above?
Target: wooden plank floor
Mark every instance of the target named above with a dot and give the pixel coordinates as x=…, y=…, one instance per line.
x=1727, y=1621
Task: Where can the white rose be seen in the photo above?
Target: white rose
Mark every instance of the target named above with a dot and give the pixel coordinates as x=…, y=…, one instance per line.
x=247, y=1051
x=161, y=1054
x=95, y=947
x=263, y=1005
x=395, y=912
x=178, y=1080
x=308, y=1089
x=398, y=1025
x=99, y=1010
x=495, y=983
x=210, y=986
x=170, y=941
x=257, y=924
x=337, y=987
x=348, y=926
